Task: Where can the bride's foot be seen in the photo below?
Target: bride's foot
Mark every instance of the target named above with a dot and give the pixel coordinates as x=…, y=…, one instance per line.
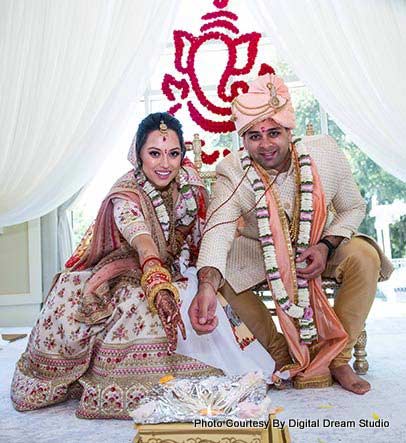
x=277, y=382
x=349, y=380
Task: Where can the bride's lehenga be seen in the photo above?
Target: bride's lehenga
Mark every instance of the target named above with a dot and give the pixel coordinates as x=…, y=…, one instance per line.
x=96, y=339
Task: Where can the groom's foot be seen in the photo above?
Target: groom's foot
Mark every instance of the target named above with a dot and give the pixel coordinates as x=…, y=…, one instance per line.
x=349, y=380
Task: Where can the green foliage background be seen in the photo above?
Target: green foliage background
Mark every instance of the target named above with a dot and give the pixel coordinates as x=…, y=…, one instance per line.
x=371, y=178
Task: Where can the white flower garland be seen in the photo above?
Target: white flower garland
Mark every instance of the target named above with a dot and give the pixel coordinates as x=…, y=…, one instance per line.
x=302, y=310
x=158, y=203
x=186, y=191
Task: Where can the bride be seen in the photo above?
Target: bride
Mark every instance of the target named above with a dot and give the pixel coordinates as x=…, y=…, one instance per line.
x=109, y=328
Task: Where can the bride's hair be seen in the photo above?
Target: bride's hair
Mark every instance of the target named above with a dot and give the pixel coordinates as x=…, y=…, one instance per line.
x=152, y=123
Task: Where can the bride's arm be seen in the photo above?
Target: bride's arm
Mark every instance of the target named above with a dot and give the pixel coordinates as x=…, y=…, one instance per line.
x=131, y=223
x=156, y=281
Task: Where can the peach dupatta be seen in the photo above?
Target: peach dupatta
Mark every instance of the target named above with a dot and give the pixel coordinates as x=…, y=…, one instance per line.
x=311, y=367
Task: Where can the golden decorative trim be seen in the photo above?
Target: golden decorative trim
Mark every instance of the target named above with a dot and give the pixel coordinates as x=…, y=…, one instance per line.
x=182, y=432
x=136, y=341
x=319, y=381
x=38, y=354
x=273, y=102
x=151, y=293
x=240, y=107
x=289, y=366
x=206, y=175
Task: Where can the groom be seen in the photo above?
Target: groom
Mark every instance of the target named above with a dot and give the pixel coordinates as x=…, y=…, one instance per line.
x=288, y=214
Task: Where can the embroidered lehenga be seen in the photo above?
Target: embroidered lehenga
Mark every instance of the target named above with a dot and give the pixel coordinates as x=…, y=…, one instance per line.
x=96, y=338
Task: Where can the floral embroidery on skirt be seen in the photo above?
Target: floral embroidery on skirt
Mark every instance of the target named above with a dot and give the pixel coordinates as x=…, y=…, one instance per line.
x=110, y=366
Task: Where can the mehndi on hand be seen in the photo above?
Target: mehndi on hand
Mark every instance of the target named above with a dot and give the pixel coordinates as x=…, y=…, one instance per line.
x=169, y=314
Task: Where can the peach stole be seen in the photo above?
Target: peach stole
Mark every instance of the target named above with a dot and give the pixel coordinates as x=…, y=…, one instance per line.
x=311, y=362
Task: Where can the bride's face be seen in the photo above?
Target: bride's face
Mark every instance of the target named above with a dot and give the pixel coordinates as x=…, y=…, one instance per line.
x=161, y=158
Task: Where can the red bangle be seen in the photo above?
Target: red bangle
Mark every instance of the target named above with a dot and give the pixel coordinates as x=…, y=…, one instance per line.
x=153, y=257
x=160, y=278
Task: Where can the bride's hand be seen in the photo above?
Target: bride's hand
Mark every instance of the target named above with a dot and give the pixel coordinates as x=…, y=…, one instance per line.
x=170, y=317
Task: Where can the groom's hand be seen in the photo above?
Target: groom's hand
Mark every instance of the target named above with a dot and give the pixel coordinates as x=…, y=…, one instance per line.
x=316, y=259
x=202, y=310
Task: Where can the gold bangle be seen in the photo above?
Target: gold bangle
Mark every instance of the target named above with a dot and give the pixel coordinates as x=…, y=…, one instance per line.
x=146, y=275
x=154, y=292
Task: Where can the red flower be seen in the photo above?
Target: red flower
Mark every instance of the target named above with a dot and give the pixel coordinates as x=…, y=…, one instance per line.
x=209, y=159
x=187, y=47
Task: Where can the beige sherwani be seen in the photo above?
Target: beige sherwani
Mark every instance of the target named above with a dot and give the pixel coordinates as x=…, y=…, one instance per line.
x=240, y=259
x=236, y=252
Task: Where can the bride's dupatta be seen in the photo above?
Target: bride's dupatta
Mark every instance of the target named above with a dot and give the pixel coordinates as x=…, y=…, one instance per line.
x=104, y=250
x=311, y=367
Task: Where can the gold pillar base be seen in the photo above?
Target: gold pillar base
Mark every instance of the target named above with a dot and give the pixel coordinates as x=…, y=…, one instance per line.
x=361, y=364
x=188, y=433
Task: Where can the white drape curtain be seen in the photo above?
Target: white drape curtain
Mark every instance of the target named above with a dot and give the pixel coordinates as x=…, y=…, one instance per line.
x=71, y=73
x=49, y=249
x=351, y=54
x=65, y=232
x=56, y=241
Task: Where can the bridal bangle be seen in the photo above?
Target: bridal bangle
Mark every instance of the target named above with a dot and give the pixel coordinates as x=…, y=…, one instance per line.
x=154, y=280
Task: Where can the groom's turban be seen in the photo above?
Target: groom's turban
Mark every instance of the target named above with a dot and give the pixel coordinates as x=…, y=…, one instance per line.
x=267, y=97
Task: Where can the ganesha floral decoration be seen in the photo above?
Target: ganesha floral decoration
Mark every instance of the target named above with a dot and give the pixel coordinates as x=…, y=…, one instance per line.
x=218, y=26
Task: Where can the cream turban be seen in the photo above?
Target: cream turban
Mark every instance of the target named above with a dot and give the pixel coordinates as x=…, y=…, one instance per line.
x=267, y=96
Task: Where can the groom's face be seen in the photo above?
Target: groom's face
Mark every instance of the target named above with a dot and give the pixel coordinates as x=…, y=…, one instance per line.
x=268, y=144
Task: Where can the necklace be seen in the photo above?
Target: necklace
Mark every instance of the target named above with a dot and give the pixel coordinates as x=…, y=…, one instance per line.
x=294, y=223
x=163, y=203
x=167, y=197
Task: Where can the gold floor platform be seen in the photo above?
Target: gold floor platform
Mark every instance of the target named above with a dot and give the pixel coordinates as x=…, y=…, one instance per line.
x=189, y=433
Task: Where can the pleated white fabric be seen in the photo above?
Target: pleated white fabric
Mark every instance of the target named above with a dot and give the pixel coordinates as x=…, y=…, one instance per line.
x=72, y=71
x=220, y=348
x=351, y=54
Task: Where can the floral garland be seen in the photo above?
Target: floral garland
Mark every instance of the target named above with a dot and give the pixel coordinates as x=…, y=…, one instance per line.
x=301, y=311
x=186, y=191
x=158, y=203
